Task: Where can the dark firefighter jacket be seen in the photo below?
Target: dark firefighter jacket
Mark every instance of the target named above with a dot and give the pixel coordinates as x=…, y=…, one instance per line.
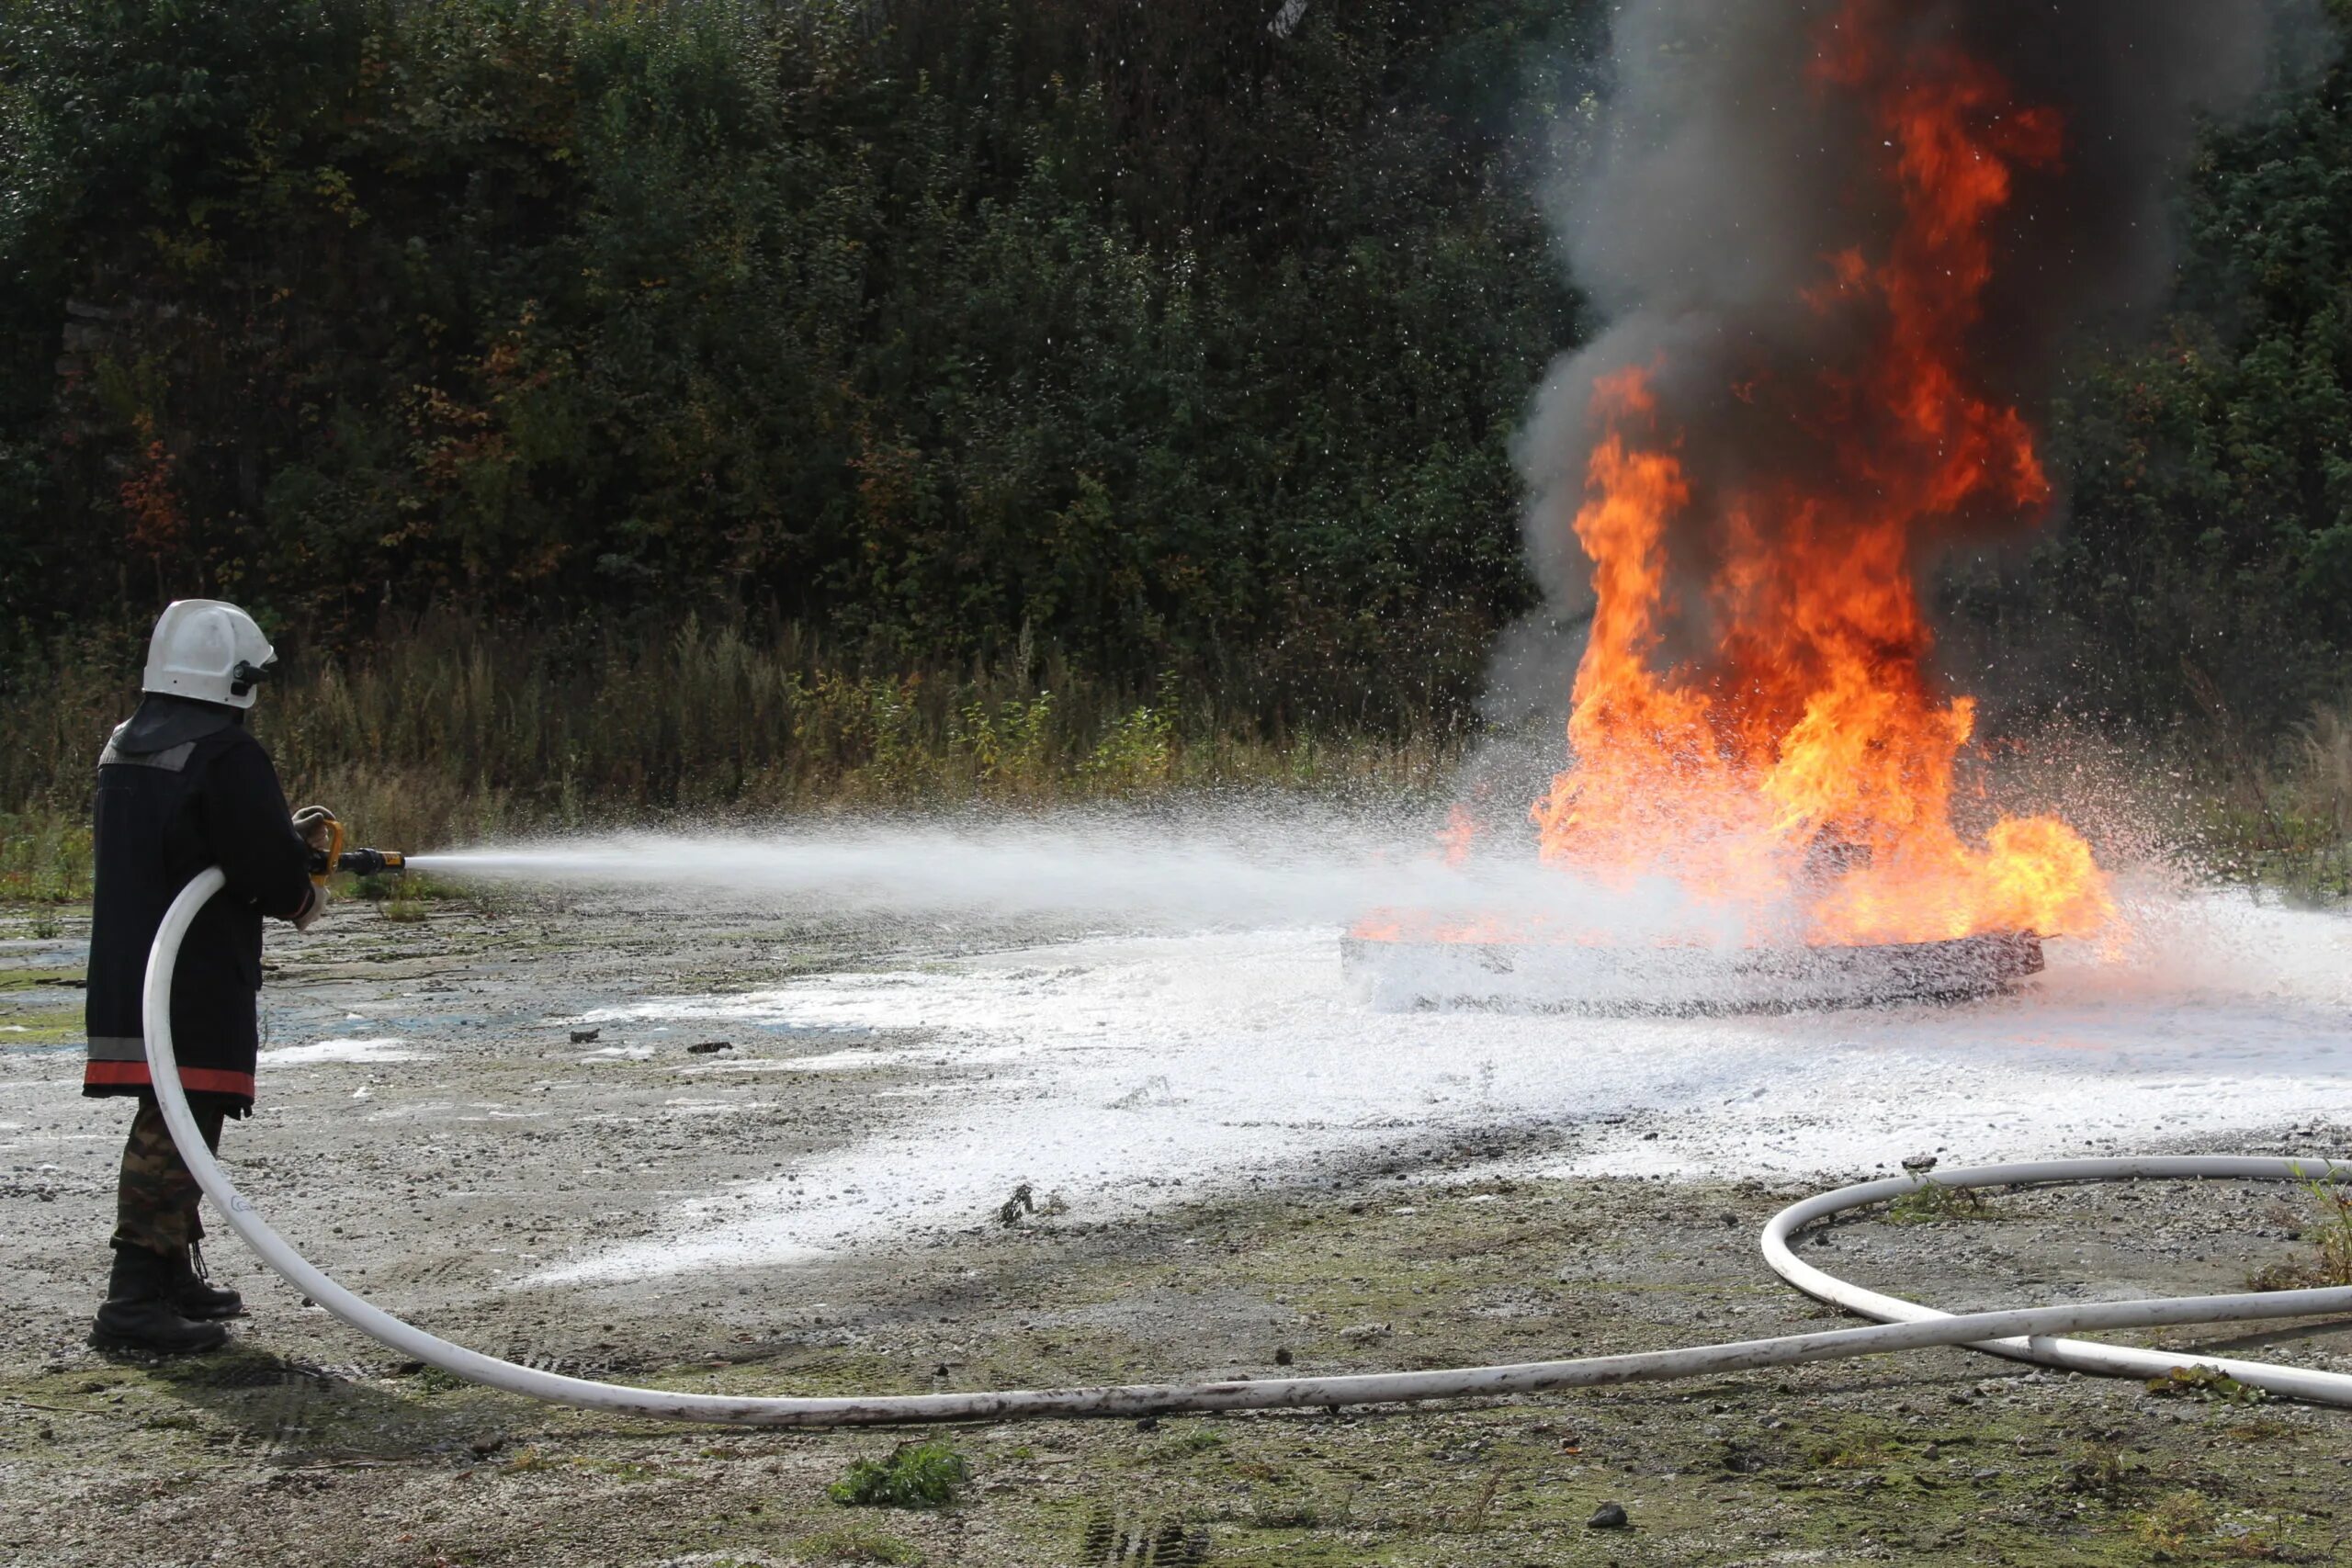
x=182, y=785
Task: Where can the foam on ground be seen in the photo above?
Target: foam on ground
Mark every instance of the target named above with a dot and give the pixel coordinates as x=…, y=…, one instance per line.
x=1124, y=1073
x=385, y=1049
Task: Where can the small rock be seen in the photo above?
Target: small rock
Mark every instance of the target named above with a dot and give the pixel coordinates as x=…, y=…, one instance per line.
x=1608, y=1516
x=585, y=1036
x=1364, y=1332
x=1283, y=1356
x=710, y=1047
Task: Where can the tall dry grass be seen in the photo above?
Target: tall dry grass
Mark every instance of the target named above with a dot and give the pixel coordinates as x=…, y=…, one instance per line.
x=458, y=732
x=2281, y=815
x=2319, y=786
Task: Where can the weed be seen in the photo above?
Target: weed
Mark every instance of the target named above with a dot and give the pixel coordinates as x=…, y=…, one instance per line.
x=915, y=1475
x=1010, y=746
x=1270, y=1510
x=1866, y=1451
x=856, y=1546
x=2206, y=1382
x=1137, y=751
x=2189, y=1521
x=406, y=910
x=433, y=1380
x=1933, y=1202
x=1472, y=1518
x=2176, y=1519
x=2101, y=1473
x=2331, y=1234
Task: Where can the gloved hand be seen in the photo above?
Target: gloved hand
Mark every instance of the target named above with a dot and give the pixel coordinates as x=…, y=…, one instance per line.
x=310, y=824
x=314, y=909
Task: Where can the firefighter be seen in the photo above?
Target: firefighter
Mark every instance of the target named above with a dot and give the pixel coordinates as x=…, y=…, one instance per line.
x=182, y=785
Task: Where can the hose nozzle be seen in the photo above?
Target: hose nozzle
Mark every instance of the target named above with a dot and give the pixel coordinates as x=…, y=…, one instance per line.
x=359, y=863
x=370, y=863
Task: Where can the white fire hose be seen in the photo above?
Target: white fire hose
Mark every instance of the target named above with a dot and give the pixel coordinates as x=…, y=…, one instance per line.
x=1903, y=1326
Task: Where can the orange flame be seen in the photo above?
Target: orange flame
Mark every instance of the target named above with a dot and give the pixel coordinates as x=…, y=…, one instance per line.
x=1810, y=763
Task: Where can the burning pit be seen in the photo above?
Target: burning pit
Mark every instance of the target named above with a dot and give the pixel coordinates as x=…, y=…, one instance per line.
x=1405, y=971
x=1841, y=245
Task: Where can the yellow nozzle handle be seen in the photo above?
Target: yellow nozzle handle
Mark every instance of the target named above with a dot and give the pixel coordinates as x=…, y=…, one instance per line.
x=324, y=864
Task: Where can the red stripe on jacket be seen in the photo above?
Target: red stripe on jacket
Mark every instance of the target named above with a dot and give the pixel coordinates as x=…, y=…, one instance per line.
x=204, y=1080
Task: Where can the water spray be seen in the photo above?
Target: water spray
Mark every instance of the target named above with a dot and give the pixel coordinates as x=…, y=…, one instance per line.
x=2022, y=1334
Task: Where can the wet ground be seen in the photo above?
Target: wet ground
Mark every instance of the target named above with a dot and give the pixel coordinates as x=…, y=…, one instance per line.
x=1235, y=1167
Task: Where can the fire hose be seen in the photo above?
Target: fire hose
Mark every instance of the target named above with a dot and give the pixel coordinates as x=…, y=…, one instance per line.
x=2023, y=1334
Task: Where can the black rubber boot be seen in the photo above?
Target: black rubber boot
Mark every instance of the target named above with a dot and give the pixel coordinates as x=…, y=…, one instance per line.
x=139, y=1313
x=194, y=1296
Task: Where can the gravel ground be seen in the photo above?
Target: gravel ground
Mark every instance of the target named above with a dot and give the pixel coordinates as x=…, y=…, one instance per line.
x=433, y=1135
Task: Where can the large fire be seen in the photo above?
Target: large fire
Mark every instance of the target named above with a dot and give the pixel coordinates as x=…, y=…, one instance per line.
x=1804, y=763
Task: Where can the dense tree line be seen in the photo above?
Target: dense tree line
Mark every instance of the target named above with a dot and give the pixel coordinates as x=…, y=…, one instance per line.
x=2206, y=562
x=1186, y=337
x=1181, y=336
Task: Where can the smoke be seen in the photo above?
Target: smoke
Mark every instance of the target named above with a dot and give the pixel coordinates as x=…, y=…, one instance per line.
x=1729, y=173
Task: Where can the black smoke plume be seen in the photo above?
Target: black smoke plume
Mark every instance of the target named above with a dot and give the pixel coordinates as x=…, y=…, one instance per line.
x=1725, y=175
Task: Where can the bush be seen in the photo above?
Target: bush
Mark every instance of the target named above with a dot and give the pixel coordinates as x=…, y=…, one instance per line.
x=915, y=1475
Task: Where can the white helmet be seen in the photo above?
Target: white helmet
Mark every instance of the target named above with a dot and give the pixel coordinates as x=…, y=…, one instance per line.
x=208, y=650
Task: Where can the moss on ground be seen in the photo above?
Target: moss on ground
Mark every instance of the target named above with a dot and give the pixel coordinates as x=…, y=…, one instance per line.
x=39, y=1025
x=36, y=979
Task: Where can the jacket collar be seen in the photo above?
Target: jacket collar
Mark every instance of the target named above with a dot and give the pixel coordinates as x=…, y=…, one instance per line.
x=163, y=721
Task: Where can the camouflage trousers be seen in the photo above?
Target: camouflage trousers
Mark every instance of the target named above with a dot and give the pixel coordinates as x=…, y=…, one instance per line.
x=155, y=1202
